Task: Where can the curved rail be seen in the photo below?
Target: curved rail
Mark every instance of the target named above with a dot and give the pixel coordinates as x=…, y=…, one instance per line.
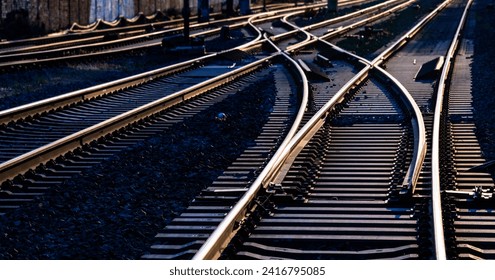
x=92, y=30
x=45, y=105
x=413, y=173
x=219, y=238
x=440, y=250
x=309, y=37
x=18, y=165
x=18, y=57
x=215, y=243
x=419, y=130
x=346, y=29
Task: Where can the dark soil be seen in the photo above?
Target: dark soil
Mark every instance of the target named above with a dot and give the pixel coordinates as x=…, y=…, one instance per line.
x=312, y=17
x=483, y=77
x=113, y=211
x=16, y=25
x=365, y=44
x=23, y=87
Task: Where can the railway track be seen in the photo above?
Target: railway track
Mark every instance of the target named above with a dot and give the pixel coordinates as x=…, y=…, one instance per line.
x=49, y=115
x=176, y=241
x=122, y=27
x=349, y=185
x=464, y=183
x=333, y=194
x=31, y=119
x=51, y=129
x=113, y=42
x=99, y=103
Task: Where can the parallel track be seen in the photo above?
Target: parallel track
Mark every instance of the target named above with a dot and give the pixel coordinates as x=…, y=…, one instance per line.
x=465, y=179
x=108, y=45
x=62, y=116
x=47, y=132
x=177, y=240
x=102, y=30
x=349, y=185
x=348, y=190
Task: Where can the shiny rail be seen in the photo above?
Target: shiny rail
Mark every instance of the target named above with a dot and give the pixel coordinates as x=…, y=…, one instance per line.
x=440, y=250
x=215, y=244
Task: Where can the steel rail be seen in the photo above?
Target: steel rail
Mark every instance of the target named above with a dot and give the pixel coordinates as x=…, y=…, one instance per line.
x=58, y=36
x=411, y=33
x=158, y=34
x=51, y=45
x=414, y=170
x=45, y=105
x=88, y=32
x=408, y=185
x=289, y=33
x=30, y=58
x=215, y=244
x=346, y=29
x=212, y=247
x=13, y=167
x=439, y=237
x=311, y=39
x=56, y=102
x=351, y=15
x=330, y=21
x=217, y=241
x=100, y=35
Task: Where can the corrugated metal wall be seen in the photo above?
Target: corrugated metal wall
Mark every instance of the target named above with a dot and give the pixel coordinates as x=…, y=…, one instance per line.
x=111, y=9
x=59, y=14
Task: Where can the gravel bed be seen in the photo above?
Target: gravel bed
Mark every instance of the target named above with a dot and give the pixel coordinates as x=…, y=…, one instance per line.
x=114, y=210
x=323, y=14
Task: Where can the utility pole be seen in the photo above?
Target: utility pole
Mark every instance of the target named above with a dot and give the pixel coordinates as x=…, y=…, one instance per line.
x=186, y=11
x=230, y=8
x=332, y=5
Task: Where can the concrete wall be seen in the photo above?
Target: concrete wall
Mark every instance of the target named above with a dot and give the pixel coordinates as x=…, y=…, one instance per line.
x=54, y=15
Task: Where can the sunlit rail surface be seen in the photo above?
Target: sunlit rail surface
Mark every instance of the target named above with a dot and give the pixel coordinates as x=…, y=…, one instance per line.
x=363, y=143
